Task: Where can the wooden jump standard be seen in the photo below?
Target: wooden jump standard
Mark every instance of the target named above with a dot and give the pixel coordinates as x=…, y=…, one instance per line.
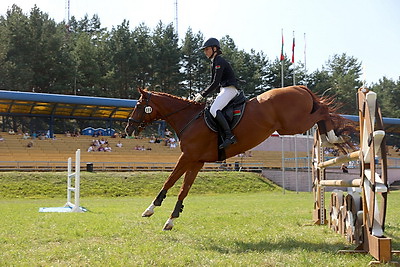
x=359, y=215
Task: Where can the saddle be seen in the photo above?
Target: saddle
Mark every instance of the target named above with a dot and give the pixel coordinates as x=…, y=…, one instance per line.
x=233, y=112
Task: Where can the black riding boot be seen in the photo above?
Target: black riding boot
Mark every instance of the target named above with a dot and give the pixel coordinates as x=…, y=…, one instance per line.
x=230, y=139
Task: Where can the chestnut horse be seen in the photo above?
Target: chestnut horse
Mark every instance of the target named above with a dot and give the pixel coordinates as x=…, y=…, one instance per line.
x=289, y=110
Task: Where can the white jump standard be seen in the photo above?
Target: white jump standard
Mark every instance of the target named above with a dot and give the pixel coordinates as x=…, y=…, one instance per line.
x=72, y=177
x=77, y=178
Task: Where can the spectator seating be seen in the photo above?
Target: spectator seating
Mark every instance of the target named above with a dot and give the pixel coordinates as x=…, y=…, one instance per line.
x=50, y=152
x=14, y=149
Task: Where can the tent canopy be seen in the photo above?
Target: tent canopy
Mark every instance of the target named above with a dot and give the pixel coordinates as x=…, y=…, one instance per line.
x=15, y=103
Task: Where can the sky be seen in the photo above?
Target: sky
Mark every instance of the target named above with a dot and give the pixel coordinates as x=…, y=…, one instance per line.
x=368, y=30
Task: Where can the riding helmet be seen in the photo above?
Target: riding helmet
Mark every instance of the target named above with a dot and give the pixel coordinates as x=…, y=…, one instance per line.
x=210, y=42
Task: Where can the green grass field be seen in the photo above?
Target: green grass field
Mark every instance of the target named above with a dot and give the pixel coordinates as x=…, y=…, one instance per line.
x=223, y=224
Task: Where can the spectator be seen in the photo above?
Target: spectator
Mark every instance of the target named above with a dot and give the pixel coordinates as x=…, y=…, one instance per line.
x=168, y=133
x=1, y=138
x=11, y=132
x=95, y=142
x=172, y=142
x=344, y=168
x=92, y=148
x=119, y=144
x=42, y=136
x=107, y=148
x=241, y=155
x=30, y=144
x=26, y=136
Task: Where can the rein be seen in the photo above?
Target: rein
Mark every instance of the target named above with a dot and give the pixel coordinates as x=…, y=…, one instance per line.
x=176, y=111
x=190, y=122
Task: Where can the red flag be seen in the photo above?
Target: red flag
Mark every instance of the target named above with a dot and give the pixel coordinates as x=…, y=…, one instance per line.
x=293, y=45
x=282, y=56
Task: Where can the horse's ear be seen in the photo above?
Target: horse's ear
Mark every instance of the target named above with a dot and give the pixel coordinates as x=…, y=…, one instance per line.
x=141, y=91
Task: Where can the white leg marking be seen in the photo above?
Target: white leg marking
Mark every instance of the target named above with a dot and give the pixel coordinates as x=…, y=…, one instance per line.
x=333, y=139
x=169, y=224
x=149, y=211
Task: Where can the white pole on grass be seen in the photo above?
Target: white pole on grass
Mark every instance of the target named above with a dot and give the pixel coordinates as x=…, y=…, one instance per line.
x=283, y=166
x=77, y=208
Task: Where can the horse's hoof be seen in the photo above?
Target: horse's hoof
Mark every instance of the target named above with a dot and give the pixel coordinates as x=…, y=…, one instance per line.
x=168, y=225
x=147, y=213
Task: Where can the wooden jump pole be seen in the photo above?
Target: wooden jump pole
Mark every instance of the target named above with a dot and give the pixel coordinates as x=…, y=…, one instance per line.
x=341, y=183
x=340, y=159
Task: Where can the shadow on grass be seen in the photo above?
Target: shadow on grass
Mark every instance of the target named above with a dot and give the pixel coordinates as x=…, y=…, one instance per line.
x=286, y=245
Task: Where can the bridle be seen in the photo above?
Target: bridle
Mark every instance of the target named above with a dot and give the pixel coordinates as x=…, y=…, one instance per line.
x=147, y=110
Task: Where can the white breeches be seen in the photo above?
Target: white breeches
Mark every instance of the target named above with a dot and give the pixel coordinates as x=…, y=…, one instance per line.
x=225, y=95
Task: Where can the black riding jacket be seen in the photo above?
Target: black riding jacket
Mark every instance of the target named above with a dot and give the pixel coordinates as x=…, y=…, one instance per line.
x=222, y=75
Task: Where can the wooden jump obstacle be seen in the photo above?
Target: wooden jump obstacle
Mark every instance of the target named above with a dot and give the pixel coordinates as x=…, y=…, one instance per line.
x=358, y=214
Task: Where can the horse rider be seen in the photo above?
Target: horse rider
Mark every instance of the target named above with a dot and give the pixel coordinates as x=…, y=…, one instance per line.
x=224, y=79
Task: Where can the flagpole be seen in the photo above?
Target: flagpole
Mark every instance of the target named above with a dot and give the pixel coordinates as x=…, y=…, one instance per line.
x=282, y=59
x=293, y=62
x=309, y=132
x=282, y=79
x=305, y=59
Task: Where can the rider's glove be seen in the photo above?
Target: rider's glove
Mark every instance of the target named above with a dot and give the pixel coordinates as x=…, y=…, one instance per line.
x=198, y=98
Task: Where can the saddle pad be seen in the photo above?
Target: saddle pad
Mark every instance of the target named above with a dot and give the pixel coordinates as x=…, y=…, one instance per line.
x=237, y=111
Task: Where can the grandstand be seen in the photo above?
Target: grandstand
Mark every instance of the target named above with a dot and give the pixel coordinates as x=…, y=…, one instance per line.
x=52, y=155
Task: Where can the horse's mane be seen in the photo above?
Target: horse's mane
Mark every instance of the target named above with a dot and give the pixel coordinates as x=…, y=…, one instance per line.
x=172, y=96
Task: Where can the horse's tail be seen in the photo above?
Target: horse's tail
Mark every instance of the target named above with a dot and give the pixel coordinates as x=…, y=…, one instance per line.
x=341, y=125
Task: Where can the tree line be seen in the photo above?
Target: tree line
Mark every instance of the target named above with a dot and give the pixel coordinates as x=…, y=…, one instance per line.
x=81, y=57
